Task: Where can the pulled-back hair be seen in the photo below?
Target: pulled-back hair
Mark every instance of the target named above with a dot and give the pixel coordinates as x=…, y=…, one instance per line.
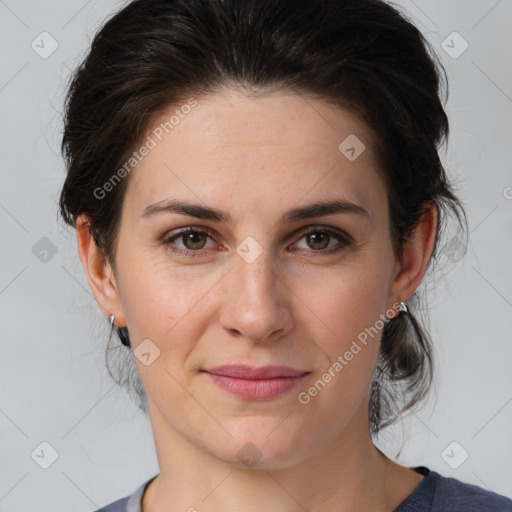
x=362, y=55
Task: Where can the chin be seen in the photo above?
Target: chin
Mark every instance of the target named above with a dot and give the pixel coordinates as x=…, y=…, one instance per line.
x=262, y=443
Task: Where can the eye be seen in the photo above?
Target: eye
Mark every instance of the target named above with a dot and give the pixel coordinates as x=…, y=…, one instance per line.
x=194, y=241
x=320, y=238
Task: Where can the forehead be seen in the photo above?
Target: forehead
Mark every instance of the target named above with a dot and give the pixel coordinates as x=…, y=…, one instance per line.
x=231, y=147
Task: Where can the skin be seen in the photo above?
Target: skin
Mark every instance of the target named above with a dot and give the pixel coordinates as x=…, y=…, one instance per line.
x=256, y=158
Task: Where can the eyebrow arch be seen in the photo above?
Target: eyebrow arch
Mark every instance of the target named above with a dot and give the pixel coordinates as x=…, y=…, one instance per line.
x=318, y=209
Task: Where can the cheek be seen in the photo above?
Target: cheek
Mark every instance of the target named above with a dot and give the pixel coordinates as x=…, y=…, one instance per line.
x=346, y=316
x=162, y=305
x=169, y=306
x=344, y=301
x=158, y=296
x=350, y=346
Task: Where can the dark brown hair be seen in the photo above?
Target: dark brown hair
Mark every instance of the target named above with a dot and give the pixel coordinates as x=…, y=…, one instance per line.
x=362, y=55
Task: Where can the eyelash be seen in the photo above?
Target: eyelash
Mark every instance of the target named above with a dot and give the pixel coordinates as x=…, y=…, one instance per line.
x=345, y=241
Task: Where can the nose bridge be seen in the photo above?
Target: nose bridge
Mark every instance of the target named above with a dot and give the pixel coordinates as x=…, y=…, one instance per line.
x=254, y=306
x=255, y=268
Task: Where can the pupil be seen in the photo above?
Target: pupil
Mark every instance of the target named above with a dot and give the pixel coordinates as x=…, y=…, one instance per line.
x=316, y=239
x=193, y=239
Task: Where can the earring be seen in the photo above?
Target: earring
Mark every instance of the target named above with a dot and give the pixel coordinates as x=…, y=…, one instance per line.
x=111, y=329
x=403, y=308
x=122, y=332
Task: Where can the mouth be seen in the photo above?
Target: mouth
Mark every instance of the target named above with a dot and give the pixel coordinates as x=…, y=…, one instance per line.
x=252, y=373
x=263, y=383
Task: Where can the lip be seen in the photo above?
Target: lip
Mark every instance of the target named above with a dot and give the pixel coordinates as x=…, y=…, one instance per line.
x=263, y=383
x=253, y=373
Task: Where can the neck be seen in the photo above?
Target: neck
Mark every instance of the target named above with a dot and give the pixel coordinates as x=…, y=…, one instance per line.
x=347, y=474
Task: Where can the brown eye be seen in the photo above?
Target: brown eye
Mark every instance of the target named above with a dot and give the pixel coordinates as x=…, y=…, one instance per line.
x=194, y=240
x=188, y=242
x=322, y=241
x=318, y=240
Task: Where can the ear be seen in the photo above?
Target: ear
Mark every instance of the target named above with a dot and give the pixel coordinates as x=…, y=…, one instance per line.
x=416, y=255
x=99, y=273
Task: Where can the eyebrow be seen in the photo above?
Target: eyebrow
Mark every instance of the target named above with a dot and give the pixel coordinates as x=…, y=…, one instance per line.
x=318, y=209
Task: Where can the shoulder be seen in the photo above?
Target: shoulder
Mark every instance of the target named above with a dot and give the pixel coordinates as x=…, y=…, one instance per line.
x=131, y=503
x=120, y=505
x=437, y=493
x=453, y=495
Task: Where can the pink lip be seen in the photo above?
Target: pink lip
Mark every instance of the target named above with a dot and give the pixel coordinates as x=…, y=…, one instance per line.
x=249, y=372
x=256, y=383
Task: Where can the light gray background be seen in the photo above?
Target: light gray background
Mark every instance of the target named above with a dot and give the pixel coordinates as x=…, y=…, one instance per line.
x=53, y=383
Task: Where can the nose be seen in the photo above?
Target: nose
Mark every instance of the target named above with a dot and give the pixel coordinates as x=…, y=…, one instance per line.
x=255, y=303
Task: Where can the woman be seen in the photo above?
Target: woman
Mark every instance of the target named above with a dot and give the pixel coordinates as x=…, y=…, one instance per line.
x=257, y=195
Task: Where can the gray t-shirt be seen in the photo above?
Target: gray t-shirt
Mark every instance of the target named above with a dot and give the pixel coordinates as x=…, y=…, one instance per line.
x=435, y=493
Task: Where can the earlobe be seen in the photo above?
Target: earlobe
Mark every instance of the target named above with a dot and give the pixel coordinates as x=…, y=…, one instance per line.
x=98, y=272
x=416, y=256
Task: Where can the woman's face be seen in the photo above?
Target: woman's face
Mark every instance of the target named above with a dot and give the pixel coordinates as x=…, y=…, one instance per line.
x=265, y=280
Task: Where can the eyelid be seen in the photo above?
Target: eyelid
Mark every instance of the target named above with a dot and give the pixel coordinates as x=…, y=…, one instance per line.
x=300, y=231
x=176, y=233
x=329, y=229
x=345, y=240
